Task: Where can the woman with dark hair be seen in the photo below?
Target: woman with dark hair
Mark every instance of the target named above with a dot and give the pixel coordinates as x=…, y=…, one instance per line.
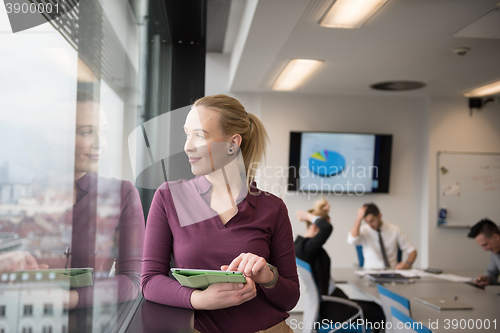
x=221, y=220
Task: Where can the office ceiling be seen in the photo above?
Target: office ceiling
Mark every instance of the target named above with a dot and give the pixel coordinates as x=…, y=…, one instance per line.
x=406, y=40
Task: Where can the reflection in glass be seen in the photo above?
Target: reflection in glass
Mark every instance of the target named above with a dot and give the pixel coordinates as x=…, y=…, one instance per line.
x=68, y=105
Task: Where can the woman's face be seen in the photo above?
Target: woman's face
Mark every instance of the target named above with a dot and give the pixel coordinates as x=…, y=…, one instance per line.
x=90, y=137
x=206, y=145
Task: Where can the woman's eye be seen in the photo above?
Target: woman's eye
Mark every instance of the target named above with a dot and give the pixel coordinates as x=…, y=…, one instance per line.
x=200, y=136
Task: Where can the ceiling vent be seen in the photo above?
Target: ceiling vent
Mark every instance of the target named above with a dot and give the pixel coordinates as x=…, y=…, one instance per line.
x=397, y=85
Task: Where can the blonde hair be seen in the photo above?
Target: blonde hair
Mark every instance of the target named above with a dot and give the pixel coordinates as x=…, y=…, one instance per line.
x=233, y=119
x=319, y=205
x=319, y=209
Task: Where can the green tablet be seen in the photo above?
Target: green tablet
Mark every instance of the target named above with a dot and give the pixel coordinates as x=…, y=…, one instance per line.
x=202, y=278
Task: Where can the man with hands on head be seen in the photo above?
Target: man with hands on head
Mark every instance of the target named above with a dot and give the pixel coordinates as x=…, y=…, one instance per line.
x=380, y=240
x=487, y=235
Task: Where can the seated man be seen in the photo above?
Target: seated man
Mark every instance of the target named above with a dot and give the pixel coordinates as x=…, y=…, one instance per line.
x=310, y=249
x=380, y=240
x=487, y=235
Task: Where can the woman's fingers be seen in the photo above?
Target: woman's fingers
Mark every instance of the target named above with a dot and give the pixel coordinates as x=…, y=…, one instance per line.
x=253, y=266
x=30, y=261
x=233, y=266
x=18, y=261
x=248, y=292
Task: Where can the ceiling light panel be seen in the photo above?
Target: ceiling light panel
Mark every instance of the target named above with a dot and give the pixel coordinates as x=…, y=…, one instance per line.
x=296, y=73
x=486, y=90
x=350, y=14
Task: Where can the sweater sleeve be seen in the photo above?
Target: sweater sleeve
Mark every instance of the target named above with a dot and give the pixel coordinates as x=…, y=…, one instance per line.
x=156, y=285
x=285, y=293
x=315, y=243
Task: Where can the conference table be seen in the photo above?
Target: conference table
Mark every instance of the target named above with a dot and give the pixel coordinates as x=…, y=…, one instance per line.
x=485, y=306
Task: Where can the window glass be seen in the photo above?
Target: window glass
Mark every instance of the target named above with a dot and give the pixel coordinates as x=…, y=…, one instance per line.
x=71, y=217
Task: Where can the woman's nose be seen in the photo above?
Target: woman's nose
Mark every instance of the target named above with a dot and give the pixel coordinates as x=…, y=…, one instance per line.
x=189, y=147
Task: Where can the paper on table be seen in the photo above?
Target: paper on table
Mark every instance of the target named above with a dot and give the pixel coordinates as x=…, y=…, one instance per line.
x=364, y=272
x=416, y=272
x=453, y=278
x=405, y=272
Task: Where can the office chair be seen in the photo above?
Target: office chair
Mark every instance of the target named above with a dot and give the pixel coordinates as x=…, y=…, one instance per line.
x=313, y=301
x=359, y=251
x=390, y=299
x=402, y=323
x=361, y=259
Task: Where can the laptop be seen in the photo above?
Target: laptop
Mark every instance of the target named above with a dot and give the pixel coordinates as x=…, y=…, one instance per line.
x=443, y=303
x=389, y=277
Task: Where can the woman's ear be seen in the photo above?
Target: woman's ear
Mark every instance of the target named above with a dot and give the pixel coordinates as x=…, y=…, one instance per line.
x=235, y=141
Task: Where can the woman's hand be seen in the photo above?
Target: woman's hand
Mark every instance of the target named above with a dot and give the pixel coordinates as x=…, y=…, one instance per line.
x=19, y=261
x=223, y=295
x=303, y=216
x=252, y=266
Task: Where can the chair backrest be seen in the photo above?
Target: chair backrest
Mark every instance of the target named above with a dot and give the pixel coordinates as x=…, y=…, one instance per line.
x=359, y=250
x=391, y=299
x=403, y=323
x=312, y=296
x=361, y=258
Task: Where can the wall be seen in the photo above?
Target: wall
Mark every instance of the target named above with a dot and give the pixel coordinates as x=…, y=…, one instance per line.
x=452, y=129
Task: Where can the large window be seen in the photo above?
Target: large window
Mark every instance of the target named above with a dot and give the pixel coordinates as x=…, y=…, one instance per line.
x=73, y=89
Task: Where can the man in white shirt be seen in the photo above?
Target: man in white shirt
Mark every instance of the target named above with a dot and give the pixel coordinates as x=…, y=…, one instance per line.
x=380, y=241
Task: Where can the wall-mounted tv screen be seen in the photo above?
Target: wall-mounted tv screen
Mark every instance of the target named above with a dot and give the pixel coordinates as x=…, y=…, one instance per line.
x=328, y=162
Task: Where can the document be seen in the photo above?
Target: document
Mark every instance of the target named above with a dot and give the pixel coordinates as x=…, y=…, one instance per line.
x=453, y=277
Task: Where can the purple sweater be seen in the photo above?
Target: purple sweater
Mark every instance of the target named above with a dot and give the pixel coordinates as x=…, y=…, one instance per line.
x=97, y=240
x=261, y=227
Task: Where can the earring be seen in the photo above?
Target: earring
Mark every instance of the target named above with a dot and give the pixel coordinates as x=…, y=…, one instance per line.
x=231, y=151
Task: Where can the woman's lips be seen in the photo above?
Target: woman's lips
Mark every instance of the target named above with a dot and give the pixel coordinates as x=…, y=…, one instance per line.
x=93, y=156
x=194, y=159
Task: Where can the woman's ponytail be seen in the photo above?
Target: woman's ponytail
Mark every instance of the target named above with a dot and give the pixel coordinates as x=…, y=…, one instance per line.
x=255, y=151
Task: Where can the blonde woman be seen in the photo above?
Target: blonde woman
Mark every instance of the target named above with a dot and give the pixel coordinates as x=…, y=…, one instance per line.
x=220, y=220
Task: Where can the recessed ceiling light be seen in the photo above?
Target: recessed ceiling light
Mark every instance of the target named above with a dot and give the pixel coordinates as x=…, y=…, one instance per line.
x=397, y=85
x=350, y=14
x=296, y=72
x=486, y=90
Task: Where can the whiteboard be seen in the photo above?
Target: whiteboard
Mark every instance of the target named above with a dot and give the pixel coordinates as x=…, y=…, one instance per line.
x=468, y=187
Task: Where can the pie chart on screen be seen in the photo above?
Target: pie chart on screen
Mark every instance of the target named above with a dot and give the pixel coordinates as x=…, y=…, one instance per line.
x=326, y=163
